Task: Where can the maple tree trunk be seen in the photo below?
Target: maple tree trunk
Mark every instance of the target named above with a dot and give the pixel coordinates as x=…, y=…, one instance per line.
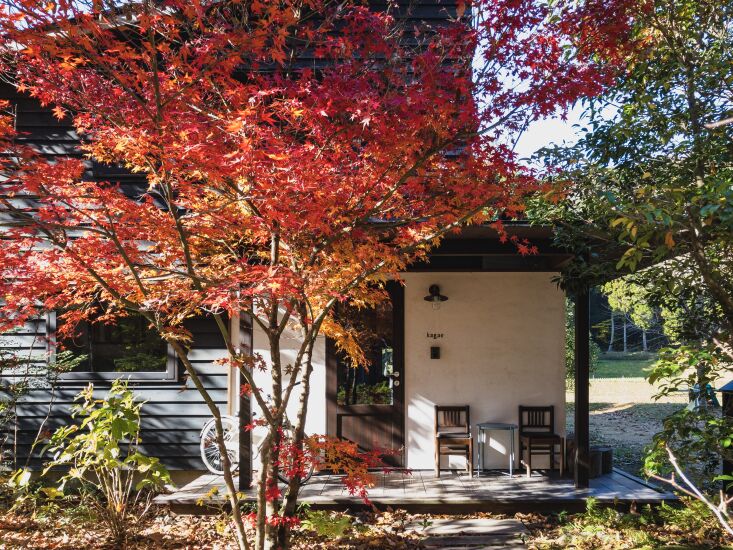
x=241, y=535
x=293, y=489
x=268, y=504
x=272, y=504
x=267, y=532
x=260, y=522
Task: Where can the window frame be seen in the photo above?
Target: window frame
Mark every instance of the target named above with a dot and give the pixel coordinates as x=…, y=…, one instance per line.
x=170, y=374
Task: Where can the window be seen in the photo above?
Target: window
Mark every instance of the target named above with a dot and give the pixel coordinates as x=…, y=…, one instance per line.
x=129, y=349
x=372, y=384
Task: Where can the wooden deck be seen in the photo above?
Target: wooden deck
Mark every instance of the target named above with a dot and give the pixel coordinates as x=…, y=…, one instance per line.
x=421, y=491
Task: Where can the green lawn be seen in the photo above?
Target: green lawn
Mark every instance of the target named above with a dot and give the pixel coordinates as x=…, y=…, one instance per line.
x=629, y=365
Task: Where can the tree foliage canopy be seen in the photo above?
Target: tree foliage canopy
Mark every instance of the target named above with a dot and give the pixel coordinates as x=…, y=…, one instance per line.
x=652, y=174
x=652, y=195
x=295, y=155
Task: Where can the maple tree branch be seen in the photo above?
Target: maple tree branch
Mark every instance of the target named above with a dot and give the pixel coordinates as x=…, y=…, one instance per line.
x=364, y=218
x=172, y=272
x=190, y=270
x=97, y=227
x=690, y=489
x=183, y=239
x=154, y=66
x=114, y=238
x=304, y=352
x=63, y=246
x=226, y=464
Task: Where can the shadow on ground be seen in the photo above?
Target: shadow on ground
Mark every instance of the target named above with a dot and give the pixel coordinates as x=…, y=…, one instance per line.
x=626, y=427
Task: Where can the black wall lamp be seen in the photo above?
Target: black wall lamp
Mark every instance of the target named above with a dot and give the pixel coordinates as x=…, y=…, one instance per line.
x=434, y=296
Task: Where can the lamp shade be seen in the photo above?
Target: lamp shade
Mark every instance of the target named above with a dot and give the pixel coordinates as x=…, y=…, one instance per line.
x=434, y=295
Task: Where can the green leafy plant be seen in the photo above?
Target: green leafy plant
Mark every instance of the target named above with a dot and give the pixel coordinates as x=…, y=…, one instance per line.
x=103, y=451
x=21, y=375
x=376, y=394
x=327, y=524
x=595, y=350
x=719, y=507
x=694, y=517
x=698, y=435
x=604, y=527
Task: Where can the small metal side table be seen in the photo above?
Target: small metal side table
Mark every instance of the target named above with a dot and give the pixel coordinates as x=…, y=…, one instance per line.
x=485, y=427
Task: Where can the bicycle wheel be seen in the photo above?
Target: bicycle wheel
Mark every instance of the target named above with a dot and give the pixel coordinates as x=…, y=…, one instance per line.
x=210, y=453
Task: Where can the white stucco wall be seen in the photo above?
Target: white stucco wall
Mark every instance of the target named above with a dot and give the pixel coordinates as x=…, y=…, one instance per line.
x=503, y=346
x=316, y=419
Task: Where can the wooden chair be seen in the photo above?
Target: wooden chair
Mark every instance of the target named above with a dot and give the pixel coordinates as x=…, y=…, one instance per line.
x=453, y=435
x=537, y=434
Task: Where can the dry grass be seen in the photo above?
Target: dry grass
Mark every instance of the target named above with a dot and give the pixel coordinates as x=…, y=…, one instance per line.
x=625, y=390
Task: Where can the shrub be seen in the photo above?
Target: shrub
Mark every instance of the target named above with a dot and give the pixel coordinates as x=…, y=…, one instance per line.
x=326, y=524
x=20, y=375
x=698, y=435
x=102, y=451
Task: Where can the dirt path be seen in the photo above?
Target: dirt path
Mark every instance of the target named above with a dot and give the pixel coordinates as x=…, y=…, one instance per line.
x=624, y=416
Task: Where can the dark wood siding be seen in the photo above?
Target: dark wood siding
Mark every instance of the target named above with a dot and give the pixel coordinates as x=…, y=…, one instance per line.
x=174, y=412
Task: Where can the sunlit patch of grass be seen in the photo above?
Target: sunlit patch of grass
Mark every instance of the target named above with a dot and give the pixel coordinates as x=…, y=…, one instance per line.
x=624, y=366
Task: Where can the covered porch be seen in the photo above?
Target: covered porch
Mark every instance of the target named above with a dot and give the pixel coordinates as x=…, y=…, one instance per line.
x=452, y=492
x=503, y=347
x=495, y=345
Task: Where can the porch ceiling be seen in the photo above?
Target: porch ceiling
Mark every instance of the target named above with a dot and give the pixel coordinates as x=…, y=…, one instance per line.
x=479, y=248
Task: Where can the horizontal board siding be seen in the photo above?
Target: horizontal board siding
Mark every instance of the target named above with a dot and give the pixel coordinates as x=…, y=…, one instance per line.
x=24, y=341
x=173, y=413
x=152, y=397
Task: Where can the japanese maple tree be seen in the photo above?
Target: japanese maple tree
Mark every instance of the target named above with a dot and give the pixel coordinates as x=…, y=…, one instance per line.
x=297, y=154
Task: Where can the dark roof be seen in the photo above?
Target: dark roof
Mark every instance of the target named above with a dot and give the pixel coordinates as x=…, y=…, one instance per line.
x=480, y=248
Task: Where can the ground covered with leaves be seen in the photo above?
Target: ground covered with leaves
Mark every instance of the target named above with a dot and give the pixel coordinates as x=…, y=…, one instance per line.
x=161, y=530
x=689, y=526
x=625, y=416
x=597, y=528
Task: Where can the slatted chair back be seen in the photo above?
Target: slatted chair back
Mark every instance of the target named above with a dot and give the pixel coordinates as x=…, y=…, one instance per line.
x=452, y=419
x=537, y=419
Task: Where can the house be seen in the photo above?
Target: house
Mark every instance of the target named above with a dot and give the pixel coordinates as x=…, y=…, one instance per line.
x=497, y=342
x=493, y=340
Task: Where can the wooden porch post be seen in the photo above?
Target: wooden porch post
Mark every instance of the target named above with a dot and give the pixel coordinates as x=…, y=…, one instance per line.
x=582, y=382
x=245, y=413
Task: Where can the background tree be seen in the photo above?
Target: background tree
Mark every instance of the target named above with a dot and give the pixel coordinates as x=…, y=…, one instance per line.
x=654, y=186
x=297, y=154
x=632, y=302
x=652, y=172
x=595, y=350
